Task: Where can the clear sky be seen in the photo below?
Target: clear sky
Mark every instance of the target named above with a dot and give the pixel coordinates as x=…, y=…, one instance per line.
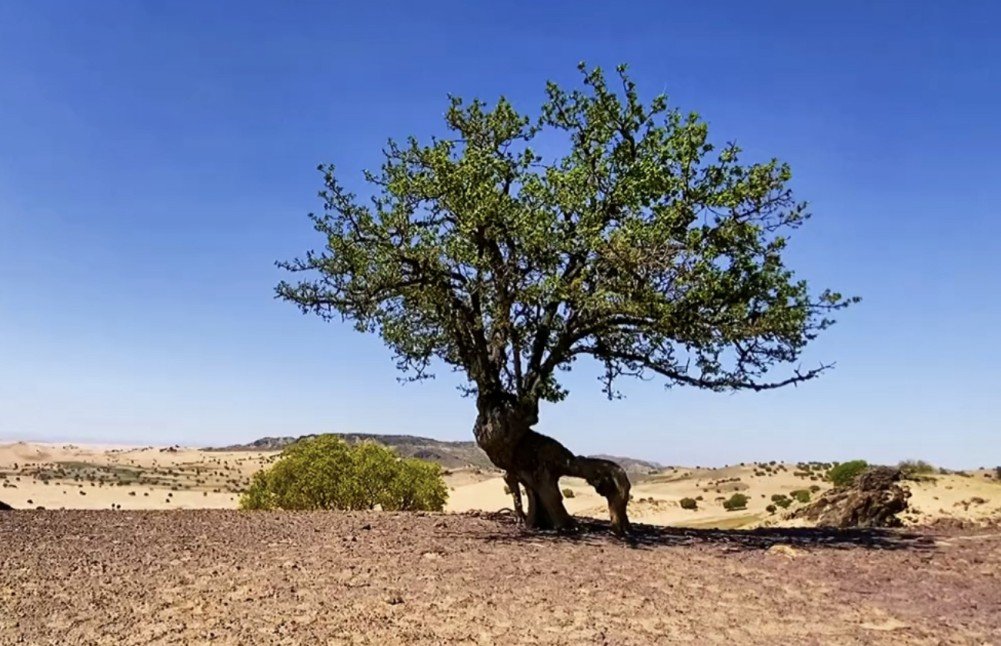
x=156, y=158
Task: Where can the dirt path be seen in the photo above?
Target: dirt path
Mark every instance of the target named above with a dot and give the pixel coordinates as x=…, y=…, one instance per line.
x=261, y=578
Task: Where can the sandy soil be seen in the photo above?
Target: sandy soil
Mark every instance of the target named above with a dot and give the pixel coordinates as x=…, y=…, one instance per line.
x=89, y=477
x=214, y=576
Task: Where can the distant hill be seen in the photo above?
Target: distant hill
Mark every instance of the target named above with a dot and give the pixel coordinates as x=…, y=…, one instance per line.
x=450, y=455
x=633, y=465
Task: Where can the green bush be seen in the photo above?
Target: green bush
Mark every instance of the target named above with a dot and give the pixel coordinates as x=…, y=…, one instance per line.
x=814, y=488
x=324, y=472
x=771, y=509
x=568, y=493
x=800, y=495
x=915, y=467
x=689, y=503
x=844, y=474
x=736, y=502
x=781, y=500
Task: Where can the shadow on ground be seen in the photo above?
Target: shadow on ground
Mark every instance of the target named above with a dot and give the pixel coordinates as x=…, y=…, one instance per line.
x=595, y=532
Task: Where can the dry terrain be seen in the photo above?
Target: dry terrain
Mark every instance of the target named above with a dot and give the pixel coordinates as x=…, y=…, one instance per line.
x=230, y=577
x=87, y=477
x=140, y=545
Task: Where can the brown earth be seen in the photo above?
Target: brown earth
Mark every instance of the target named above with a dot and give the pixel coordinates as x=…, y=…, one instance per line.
x=138, y=577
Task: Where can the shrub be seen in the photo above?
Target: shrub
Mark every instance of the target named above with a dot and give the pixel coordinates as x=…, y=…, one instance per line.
x=844, y=474
x=568, y=493
x=997, y=472
x=800, y=495
x=324, y=472
x=781, y=500
x=771, y=509
x=736, y=502
x=915, y=467
x=814, y=488
x=689, y=503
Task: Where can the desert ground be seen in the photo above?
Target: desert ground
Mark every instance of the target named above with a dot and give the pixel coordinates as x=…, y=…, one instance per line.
x=221, y=576
x=141, y=545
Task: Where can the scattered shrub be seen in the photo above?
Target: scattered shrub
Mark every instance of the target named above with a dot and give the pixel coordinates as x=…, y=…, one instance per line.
x=814, y=488
x=324, y=472
x=781, y=500
x=735, y=502
x=689, y=503
x=568, y=493
x=771, y=509
x=915, y=467
x=844, y=474
x=800, y=495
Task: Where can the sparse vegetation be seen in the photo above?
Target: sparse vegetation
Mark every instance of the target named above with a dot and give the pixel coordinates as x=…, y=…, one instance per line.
x=735, y=502
x=800, y=495
x=324, y=472
x=781, y=500
x=689, y=503
x=908, y=467
x=568, y=493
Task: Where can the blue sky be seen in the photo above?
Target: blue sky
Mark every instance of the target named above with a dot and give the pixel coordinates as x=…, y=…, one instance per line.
x=157, y=158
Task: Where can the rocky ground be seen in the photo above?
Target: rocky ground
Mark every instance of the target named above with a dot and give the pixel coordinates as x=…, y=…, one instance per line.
x=139, y=577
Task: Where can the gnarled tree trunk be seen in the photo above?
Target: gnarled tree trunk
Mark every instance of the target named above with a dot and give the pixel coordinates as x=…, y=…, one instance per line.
x=504, y=431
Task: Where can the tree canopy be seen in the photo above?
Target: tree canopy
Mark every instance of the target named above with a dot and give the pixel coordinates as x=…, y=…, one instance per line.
x=641, y=244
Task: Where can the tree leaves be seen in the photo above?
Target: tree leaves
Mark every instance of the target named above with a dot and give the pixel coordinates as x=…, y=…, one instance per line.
x=640, y=247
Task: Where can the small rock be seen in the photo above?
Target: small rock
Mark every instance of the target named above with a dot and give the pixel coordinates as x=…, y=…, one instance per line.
x=785, y=550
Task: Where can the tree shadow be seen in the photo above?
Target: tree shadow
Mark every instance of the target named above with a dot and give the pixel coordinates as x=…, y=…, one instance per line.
x=591, y=531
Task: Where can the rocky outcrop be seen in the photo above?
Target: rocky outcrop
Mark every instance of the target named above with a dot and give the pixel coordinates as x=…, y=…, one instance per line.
x=873, y=500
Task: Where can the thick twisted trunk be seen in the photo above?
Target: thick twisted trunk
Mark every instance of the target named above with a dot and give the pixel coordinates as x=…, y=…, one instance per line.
x=503, y=430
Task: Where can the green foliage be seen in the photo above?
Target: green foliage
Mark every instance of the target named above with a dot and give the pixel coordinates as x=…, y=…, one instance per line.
x=568, y=493
x=814, y=488
x=771, y=509
x=640, y=243
x=781, y=500
x=324, y=472
x=800, y=495
x=916, y=468
x=735, y=502
x=689, y=503
x=844, y=473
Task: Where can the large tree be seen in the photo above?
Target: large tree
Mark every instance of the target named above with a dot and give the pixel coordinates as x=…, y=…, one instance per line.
x=640, y=245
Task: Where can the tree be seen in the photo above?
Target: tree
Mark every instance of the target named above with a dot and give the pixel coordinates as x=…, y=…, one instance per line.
x=324, y=472
x=844, y=474
x=642, y=247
